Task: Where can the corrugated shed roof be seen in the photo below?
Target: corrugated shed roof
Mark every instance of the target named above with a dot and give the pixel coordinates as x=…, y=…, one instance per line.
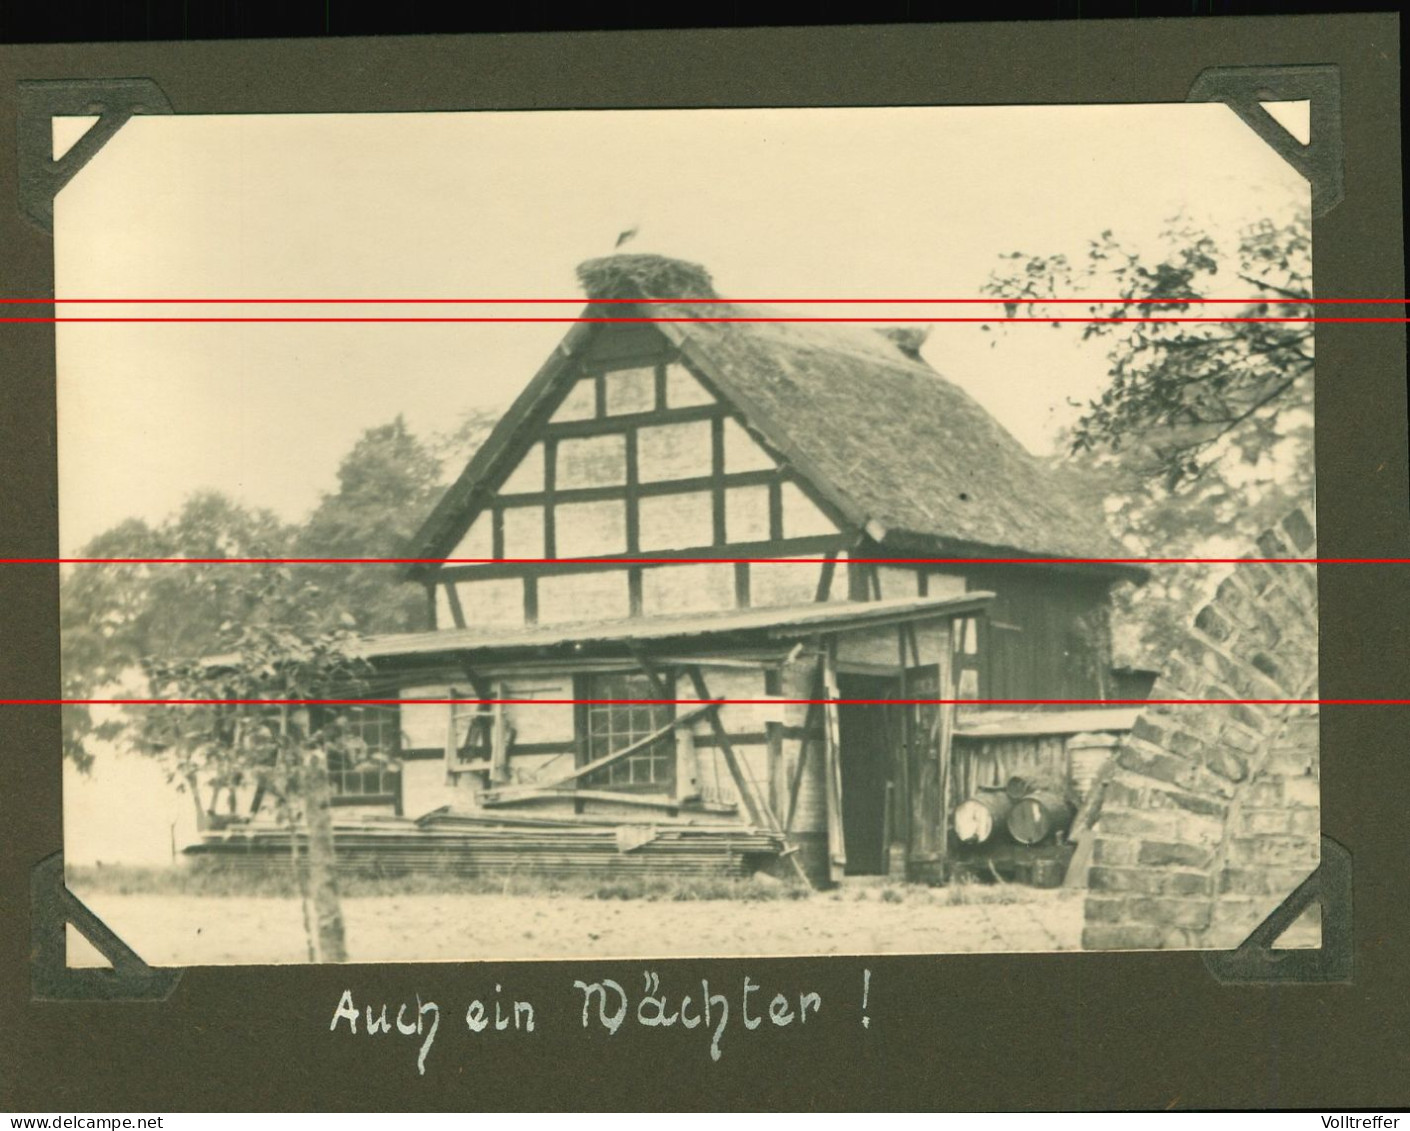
x=824, y=616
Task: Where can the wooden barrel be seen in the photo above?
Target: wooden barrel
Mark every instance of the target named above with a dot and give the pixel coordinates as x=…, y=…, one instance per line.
x=1038, y=816
x=1017, y=788
x=977, y=818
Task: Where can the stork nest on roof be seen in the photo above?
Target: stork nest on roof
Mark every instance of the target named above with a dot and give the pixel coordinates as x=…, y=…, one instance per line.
x=644, y=276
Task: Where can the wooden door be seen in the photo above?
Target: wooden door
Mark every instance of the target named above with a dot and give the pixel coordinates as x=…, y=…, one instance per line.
x=869, y=742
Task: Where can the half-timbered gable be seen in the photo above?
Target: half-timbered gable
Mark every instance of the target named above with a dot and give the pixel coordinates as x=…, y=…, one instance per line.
x=635, y=454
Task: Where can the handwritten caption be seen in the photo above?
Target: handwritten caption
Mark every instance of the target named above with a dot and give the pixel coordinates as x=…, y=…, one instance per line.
x=605, y=1005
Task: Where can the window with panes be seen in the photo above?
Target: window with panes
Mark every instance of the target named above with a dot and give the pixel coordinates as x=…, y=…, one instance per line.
x=612, y=726
x=375, y=734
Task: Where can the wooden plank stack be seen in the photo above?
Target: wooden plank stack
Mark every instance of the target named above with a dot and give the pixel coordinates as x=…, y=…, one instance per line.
x=468, y=845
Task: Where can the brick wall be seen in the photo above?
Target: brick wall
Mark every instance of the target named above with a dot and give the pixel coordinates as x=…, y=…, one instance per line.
x=1211, y=817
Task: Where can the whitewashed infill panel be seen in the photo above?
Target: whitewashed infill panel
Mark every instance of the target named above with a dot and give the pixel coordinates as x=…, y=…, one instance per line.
x=478, y=541
x=897, y=581
x=742, y=452
x=523, y=532
x=580, y=403
x=674, y=451
x=802, y=517
x=747, y=514
x=630, y=390
x=540, y=722
x=870, y=646
x=571, y=598
x=527, y=476
x=683, y=390
x=680, y=521
x=932, y=640
x=591, y=461
x=697, y=587
x=423, y=725
x=424, y=787
x=773, y=583
x=589, y=530
x=496, y=602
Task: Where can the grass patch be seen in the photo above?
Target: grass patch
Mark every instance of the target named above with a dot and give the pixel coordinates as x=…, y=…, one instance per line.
x=210, y=878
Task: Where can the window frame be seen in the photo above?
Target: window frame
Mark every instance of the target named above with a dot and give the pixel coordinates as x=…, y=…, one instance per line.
x=389, y=775
x=588, y=685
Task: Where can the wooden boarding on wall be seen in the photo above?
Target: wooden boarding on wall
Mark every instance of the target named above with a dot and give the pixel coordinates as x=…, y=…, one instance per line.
x=930, y=796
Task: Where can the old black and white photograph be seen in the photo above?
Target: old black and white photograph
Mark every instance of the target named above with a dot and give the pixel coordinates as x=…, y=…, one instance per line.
x=687, y=533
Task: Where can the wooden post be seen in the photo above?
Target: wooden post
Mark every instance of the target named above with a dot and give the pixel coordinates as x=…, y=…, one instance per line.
x=499, y=742
x=898, y=809
x=945, y=729
x=451, y=746
x=777, y=783
x=836, y=842
x=687, y=765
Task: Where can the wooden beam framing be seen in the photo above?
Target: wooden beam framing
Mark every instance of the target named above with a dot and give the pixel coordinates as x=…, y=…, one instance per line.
x=457, y=614
x=795, y=547
x=595, y=426
x=810, y=722
x=775, y=510
x=482, y=686
x=910, y=630
x=717, y=480
x=757, y=806
x=648, y=487
x=829, y=568
x=653, y=673
x=836, y=839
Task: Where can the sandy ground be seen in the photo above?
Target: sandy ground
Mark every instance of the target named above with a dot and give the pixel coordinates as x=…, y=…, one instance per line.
x=184, y=930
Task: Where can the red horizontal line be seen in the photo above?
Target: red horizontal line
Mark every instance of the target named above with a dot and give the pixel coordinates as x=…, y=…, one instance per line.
x=771, y=321
x=694, y=702
x=699, y=561
x=731, y=301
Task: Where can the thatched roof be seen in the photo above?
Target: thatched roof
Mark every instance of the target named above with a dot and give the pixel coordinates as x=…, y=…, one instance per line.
x=904, y=453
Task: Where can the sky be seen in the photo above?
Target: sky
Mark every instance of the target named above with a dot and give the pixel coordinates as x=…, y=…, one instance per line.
x=807, y=203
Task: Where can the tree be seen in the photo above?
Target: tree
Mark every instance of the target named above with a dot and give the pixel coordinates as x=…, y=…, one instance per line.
x=456, y=445
x=1203, y=436
x=251, y=725
x=387, y=485
x=113, y=616
x=144, y=629
x=1186, y=393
